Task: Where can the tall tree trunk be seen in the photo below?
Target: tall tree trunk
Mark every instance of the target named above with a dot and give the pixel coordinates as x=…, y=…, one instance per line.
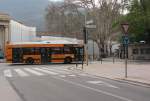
x=103, y=50
x=100, y=56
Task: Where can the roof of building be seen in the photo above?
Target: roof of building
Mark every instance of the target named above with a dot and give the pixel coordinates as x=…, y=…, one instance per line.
x=4, y=16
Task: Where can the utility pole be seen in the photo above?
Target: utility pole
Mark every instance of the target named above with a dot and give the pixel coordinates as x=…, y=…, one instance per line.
x=93, y=51
x=87, y=25
x=85, y=44
x=125, y=27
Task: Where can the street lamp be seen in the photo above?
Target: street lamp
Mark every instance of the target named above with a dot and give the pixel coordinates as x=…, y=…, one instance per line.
x=125, y=27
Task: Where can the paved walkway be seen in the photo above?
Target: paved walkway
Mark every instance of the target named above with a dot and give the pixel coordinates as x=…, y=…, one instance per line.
x=137, y=71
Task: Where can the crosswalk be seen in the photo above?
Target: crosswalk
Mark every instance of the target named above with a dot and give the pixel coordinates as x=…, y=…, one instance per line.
x=40, y=71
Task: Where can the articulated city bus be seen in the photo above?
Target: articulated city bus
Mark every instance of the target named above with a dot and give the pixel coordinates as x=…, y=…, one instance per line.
x=43, y=53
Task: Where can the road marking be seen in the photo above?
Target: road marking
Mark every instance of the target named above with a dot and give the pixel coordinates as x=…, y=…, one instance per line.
x=56, y=70
x=94, y=82
x=63, y=76
x=83, y=74
x=96, y=90
x=102, y=83
x=72, y=75
x=21, y=73
x=7, y=73
x=33, y=72
x=45, y=71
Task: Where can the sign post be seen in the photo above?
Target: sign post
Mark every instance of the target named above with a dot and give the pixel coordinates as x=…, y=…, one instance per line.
x=85, y=44
x=88, y=25
x=125, y=27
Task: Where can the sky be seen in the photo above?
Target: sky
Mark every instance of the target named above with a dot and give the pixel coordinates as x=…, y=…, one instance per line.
x=29, y=12
x=55, y=0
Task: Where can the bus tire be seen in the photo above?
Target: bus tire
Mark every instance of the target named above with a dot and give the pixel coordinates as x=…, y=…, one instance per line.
x=29, y=61
x=68, y=60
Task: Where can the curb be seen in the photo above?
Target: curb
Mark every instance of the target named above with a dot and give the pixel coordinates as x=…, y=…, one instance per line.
x=123, y=80
x=134, y=82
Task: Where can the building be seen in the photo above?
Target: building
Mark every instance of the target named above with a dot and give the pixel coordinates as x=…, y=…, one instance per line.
x=4, y=30
x=139, y=51
x=13, y=31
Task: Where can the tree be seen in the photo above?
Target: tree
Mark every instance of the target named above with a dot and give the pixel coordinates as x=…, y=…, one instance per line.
x=64, y=17
x=139, y=20
x=104, y=13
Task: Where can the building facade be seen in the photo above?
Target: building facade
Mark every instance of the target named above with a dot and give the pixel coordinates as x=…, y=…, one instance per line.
x=139, y=51
x=4, y=30
x=13, y=31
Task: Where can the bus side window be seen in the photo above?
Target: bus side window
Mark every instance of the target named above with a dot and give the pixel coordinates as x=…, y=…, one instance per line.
x=28, y=51
x=56, y=50
x=37, y=51
x=68, y=50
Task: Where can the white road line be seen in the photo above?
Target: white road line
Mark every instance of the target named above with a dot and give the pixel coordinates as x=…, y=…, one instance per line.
x=100, y=83
x=56, y=70
x=33, y=71
x=46, y=71
x=21, y=73
x=96, y=90
x=94, y=82
x=7, y=73
x=72, y=75
x=83, y=74
x=63, y=76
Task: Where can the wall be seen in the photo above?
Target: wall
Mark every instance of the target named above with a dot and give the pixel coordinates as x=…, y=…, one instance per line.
x=4, y=30
x=143, y=52
x=1, y=37
x=21, y=33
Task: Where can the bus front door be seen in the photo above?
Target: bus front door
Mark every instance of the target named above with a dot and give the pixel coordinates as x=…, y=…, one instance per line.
x=44, y=56
x=17, y=55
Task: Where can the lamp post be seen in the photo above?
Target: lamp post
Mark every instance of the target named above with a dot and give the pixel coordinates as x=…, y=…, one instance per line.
x=125, y=27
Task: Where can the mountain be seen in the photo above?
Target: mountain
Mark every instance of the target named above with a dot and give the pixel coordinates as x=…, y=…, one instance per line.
x=29, y=12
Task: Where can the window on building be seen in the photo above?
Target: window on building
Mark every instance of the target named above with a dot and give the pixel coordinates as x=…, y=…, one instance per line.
x=135, y=51
x=147, y=51
x=142, y=51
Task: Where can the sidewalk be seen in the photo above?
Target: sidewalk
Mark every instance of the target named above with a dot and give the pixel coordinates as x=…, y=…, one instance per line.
x=6, y=91
x=138, y=72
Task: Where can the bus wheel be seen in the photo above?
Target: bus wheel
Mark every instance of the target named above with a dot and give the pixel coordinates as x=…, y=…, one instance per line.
x=30, y=61
x=68, y=60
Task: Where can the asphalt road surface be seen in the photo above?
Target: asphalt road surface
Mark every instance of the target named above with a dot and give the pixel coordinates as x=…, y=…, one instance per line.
x=58, y=83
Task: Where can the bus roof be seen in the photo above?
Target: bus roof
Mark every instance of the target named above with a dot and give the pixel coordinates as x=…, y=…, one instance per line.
x=40, y=44
x=47, y=42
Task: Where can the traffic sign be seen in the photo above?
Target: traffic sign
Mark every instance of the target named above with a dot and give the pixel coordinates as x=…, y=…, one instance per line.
x=90, y=26
x=89, y=22
x=125, y=27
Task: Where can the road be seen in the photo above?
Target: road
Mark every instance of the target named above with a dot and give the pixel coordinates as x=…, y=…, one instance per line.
x=58, y=83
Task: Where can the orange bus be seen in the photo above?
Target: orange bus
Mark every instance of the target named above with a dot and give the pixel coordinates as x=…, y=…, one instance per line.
x=43, y=53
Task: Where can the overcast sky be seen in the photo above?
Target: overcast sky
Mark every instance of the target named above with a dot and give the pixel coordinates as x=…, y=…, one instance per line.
x=30, y=12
